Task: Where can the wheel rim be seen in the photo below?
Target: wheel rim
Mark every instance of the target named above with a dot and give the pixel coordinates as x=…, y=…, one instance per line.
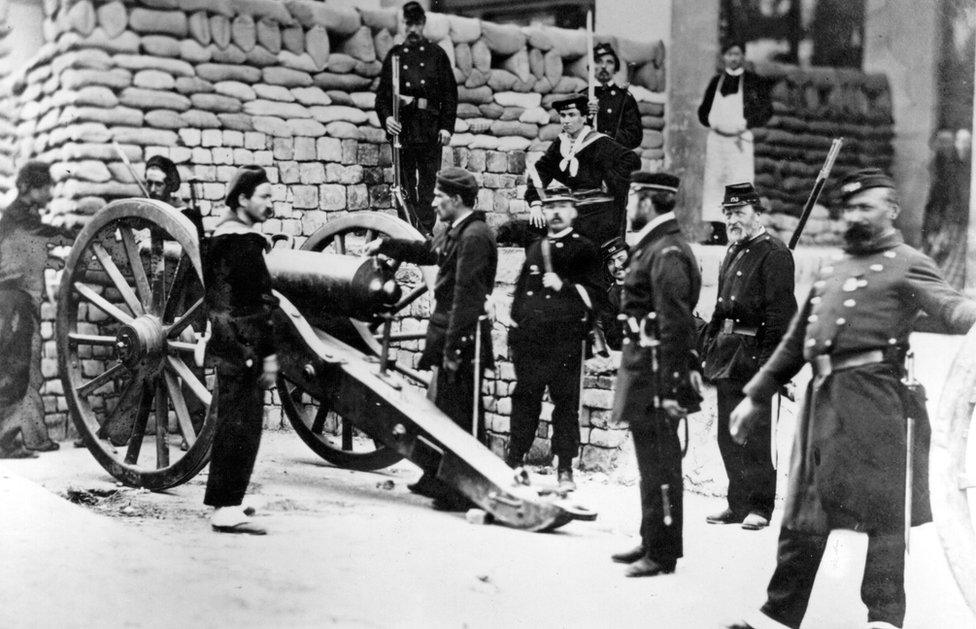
x=131, y=298
x=332, y=438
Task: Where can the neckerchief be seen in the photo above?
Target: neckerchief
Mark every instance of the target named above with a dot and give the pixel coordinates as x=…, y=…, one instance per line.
x=568, y=148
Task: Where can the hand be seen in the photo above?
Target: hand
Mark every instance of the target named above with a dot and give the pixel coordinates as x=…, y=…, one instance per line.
x=444, y=136
x=450, y=367
x=392, y=126
x=536, y=217
x=269, y=374
x=743, y=419
x=697, y=383
x=593, y=107
x=551, y=280
x=673, y=409
x=372, y=247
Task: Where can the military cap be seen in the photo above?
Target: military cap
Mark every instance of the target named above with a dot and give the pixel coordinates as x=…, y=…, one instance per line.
x=245, y=181
x=166, y=165
x=862, y=180
x=741, y=194
x=666, y=182
x=606, y=49
x=33, y=175
x=558, y=194
x=732, y=43
x=578, y=101
x=454, y=180
x=613, y=246
x=413, y=13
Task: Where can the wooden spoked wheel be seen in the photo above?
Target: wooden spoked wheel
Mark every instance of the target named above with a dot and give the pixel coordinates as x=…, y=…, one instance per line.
x=952, y=480
x=335, y=440
x=130, y=301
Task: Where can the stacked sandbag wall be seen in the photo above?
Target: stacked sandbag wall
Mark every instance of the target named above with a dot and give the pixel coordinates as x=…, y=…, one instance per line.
x=812, y=107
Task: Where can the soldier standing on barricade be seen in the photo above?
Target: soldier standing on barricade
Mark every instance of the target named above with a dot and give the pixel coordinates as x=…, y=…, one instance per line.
x=615, y=109
x=848, y=468
x=240, y=305
x=594, y=166
x=24, y=242
x=557, y=294
x=467, y=256
x=754, y=308
x=428, y=95
x=658, y=382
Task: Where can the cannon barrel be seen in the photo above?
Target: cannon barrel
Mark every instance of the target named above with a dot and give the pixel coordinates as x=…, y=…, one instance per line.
x=330, y=284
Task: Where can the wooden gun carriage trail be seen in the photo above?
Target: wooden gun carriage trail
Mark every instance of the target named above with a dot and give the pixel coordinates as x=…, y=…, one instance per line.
x=140, y=388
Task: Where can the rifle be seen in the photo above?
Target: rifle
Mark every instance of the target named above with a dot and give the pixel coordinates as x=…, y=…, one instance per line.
x=132, y=172
x=590, y=79
x=399, y=198
x=817, y=189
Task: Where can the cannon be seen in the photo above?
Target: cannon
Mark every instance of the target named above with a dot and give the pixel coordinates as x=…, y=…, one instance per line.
x=131, y=341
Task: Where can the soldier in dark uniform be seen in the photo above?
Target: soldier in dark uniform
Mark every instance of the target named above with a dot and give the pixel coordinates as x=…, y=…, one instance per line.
x=240, y=305
x=754, y=308
x=616, y=255
x=428, y=94
x=467, y=256
x=658, y=382
x=163, y=181
x=615, y=107
x=584, y=161
x=551, y=313
x=849, y=455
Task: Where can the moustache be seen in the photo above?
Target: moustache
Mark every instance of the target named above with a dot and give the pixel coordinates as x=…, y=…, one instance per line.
x=857, y=232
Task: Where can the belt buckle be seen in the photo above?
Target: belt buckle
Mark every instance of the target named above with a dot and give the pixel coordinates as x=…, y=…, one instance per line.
x=823, y=364
x=727, y=326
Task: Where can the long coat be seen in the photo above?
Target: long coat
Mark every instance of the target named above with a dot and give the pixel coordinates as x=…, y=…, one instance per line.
x=425, y=72
x=467, y=258
x=619, y=116
x=848, y=464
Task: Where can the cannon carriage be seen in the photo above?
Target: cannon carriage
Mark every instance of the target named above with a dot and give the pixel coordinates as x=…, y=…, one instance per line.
x=131, y=340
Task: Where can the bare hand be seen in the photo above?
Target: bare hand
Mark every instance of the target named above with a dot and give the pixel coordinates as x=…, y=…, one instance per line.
x=393, y=126
x=269, y=374
x=551, y=280
x=372, y=247
x=536, y=217
x=696, y=381
x=673, y=409
x=743, y=419
x=593, y=107
x=445, y=137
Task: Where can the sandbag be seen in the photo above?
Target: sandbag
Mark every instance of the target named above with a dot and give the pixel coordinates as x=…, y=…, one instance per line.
x=220, y=31
x=198, y=119
x=243, y=32
x=487, y=142
x=364, y=100
x=491, y=110
x=95, y=96
x=116, y=115
x=273, y=92
x=271, y=125
x=462, y=58
x=477, y=78
x=302, y=62
x=437, y=27
x=464, y=30
x=199, y=26
x=481, y=56
x=154, y=80
x=311, y=96
x=467, y=110
x=269, y=35
x=277, y=75
x=176, y=67
x=161, y=45
x=501, y=80
x=652, y=139
x=518, y=64
x=127, y=42
x=260, y=107
x=232, y=54
x=112, y=17
x=383, y=43
x=513, y=143
x=536, y=115
x=542, y=86
x=236, y=122
x=304, y=127
x=502, y=128
x=511, y=113
x=342, y=130
x=569, y=85
x=81, y=17
x=337, y=18
x=578, y=68
x=317, y=45
x=153, y=99
x=479, y=125
x=143, y=136
x=503, y=39
x=360, y=45
x=343, y=82
x=370, y=70
x=163, y=119
x=293, y=39
x=538, y=38
x=553, y=68
x=223, y=72
x=567, y=43
x=637, y=52
x=333, y=113
x=512, y=99
x=537, y=63
x=270, y=9
x=341, y=63
x=235, y=89
x=116, y=78
x=193, y=85
x=152, y=21
x=380, y=19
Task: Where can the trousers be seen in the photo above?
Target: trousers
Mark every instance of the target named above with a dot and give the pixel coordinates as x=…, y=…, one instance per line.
x=419, y=165
x=17, y=330
x=749, y=467
x=658, y=453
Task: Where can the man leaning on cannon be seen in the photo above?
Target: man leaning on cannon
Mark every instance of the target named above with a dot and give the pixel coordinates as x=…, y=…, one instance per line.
x=467, y=257
x=848, y=468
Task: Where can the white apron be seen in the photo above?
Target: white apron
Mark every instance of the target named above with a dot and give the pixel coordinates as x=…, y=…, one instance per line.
x=728, y=159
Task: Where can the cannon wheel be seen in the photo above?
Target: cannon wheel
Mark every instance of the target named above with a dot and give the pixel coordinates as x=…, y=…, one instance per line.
x=953, y=469
x=125, y=344
x=309, y=417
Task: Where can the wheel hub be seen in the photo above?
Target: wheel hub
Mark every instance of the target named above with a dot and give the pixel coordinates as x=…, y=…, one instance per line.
x=142, y=343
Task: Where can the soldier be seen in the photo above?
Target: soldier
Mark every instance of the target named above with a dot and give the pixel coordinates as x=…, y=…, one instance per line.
x=754, y=307
x=616, y=255
x=615, y=108
x=557, y=293
x=585, y=161
x=848, y=468
x=428, y=94
x=163, y=181
x=24, y=242
x=467, y=256
x=240, y=305
x=657, y=383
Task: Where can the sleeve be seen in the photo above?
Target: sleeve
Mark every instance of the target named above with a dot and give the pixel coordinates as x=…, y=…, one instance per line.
x=761, y=105
x=449, y=95
x=706, y=105
x=618, y=163
x=516, y=311
x=785, y=362
x=585, y=272
x=950, y=309
x=779, y=302
x=415, y=251
x=548, y=167
x=676, y=325
x=630, y=133
x=470, y=288
x=384, y=92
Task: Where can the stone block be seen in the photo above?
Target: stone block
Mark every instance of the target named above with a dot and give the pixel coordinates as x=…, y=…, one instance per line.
x=379, y=196
x=284, y=148
x=254, y=140
x=305, y=197
x=202, y=156
x=305, y=148
x=516, y=162
x=223, y=155
x=332, y=197
x=599, y=459
x=190, y=137
x=211, y=137
x=367, y=154
x=477, y=160
x=357, y=197
x=352, y=174
x=180, y=154
x=497, y=162
x=232, y=138
x=598, y=398
x=333, y=172
x=350, y=149
x=289, y=171
x=329, y=149
x=311, y=173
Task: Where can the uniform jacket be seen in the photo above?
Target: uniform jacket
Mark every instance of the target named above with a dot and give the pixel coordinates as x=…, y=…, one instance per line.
x=619, y=116
x=662, y=277
x=425, y=72
x=239, y=300
x=24, y=242
x=544, y=315
x=848, y=462
x=467, y=257
x=756, y=290
x=756, y=103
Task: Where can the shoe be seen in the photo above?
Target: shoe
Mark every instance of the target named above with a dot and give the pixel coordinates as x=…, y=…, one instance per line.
x=427, y=486
x=17, y=452
x=46, y=446
x=79, y=443
x=647, y=567
x=754, y=522
x=629, y=556
x=725, y=517
x=246, y=528
x=566, y=483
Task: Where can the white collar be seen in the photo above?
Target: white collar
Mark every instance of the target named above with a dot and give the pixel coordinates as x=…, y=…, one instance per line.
x=564, y=232
x=658, y=220
x=458, y=220
x=736, y=72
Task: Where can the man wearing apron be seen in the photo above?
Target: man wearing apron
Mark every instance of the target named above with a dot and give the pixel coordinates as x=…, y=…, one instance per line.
x=735, y=101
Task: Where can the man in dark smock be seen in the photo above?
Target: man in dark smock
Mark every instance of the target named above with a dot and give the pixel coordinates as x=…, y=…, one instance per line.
x=615, y=107
x=848, y=464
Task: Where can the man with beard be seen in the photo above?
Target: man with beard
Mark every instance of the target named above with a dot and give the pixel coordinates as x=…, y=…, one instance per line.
x=848, y=467
x=614, y=109
x=467, y=256
x=428, y=95
x=586, y=162
x=658, y=382
x=754, y=308
x=162, y=182
x=557, y=293
x=736, y=100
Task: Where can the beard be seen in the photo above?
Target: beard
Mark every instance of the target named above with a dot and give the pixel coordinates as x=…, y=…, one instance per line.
x=858, y=233
x=638, y=222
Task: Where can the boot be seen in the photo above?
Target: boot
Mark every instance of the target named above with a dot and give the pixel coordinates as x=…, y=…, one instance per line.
x=513, y=460
x=565, y=477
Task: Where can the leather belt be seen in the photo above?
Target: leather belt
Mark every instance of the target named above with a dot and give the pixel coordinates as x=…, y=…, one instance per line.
x=419, y=102
x=825, y=364
x=730, y=326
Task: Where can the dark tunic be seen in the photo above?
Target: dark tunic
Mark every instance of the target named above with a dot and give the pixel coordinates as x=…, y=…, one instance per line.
x=848, y=461
x=619, y=116
x=757, y=105
x=425, y=72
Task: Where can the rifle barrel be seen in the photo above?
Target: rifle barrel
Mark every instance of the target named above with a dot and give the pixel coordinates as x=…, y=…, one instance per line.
x=817, y=189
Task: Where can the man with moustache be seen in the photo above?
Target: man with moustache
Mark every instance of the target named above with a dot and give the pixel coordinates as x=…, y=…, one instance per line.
x=848, y=467
x=585, y=161
x=162, y=183
x=557, y=293
x=428, y=95
x=615, y=109
x=754, y=307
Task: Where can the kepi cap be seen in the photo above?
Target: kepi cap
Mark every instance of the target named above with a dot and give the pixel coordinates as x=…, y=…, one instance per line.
x=245, y=181
x=862, y=180
x=741, y=194
x=558, y=194
x=666, y=182
x=606, y=49
x=573, y=100
x=455, y=180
